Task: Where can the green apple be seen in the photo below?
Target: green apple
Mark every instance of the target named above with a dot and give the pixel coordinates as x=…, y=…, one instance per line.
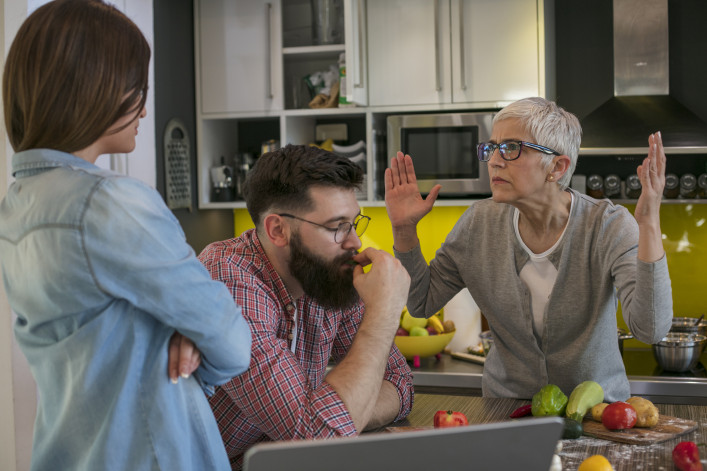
x=408, y=322
x=418, y=331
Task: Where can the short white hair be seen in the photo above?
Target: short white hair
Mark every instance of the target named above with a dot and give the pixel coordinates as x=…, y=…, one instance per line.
x=550, y=126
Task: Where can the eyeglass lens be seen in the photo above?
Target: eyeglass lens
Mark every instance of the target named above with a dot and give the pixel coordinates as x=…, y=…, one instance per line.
x=361, y=224
x=508, y=150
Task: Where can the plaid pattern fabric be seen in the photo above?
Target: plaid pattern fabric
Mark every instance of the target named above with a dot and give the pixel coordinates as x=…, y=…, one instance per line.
x=283, y=395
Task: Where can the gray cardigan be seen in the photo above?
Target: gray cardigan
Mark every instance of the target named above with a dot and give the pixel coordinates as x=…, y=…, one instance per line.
x=596, y=262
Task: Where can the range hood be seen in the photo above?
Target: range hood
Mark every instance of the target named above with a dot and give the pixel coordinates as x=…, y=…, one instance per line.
x=642, y=103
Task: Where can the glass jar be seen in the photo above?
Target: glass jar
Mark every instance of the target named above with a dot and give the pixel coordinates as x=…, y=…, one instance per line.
x=688, y=186
x=633, y=186
x=612, y=186
x=672, y=186
x=702, y=185
x=595, y=186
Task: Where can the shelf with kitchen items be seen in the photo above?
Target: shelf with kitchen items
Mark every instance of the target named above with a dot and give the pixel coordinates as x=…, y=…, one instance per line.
x=611, y=173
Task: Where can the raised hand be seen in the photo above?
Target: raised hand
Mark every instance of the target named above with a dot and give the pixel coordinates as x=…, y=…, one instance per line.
x=651, y=172
x=403, y=201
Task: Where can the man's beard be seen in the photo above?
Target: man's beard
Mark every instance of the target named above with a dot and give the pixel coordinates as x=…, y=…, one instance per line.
x=324, y=281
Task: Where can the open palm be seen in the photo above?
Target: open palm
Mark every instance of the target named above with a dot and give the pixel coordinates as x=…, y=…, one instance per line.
x=403, y=200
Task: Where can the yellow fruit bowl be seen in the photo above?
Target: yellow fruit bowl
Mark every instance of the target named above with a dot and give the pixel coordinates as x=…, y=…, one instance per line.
x=426, y=346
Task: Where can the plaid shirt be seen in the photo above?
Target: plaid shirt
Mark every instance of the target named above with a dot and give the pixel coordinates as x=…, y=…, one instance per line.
x=283, y=395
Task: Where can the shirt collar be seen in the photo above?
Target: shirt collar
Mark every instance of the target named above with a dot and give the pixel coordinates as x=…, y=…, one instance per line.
x=30, y=161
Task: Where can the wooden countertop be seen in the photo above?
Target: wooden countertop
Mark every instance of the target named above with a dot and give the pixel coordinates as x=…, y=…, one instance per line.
x=623, y=457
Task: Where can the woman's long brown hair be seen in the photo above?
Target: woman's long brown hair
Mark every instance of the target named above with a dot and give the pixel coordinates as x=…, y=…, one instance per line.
x=74, y=68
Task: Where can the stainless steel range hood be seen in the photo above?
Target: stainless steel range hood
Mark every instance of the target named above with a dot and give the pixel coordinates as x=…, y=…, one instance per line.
x=642, y=103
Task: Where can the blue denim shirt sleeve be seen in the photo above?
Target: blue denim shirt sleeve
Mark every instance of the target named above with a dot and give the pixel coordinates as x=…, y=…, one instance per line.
x=137, y=251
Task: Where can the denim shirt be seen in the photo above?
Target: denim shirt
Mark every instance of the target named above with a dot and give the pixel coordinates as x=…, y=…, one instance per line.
x=100, y=276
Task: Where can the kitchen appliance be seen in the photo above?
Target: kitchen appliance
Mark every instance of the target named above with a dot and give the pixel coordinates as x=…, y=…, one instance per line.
x=443, y=149
x=223, y=185
x=645, y=99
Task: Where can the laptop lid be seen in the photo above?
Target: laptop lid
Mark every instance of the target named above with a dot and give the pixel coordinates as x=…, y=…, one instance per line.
x=526, y=444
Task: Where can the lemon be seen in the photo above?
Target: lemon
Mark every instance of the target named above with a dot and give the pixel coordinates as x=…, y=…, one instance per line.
x=595, y=463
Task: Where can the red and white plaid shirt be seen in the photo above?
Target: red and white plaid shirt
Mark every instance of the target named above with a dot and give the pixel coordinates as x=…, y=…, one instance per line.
x=283, y=395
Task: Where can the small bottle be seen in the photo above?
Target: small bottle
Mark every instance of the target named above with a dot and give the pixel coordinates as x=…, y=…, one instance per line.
x=612, y=186
x=633, y=186
x=342, y=80
x=702, y=185
x=672, y=184
x=688, y=186
x=595, y=186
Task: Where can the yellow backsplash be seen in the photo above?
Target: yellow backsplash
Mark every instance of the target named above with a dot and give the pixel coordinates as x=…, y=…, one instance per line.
x=684, y=238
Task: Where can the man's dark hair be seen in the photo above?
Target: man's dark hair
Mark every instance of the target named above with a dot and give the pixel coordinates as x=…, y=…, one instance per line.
x=280, y=180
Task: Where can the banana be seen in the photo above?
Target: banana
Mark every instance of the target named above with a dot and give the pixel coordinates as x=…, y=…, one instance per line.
x=436, y=324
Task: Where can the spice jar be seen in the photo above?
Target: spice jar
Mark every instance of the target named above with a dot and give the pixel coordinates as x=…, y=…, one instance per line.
x=672, y=183
x=702, y=185
x=633, y=186
x=688, y=186
x=612, y=186
x=595, y=186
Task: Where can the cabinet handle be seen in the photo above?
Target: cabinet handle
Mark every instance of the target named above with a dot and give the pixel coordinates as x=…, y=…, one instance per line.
x=361, y=4
x=462, y=65
x=438, y=80
x=270, y=28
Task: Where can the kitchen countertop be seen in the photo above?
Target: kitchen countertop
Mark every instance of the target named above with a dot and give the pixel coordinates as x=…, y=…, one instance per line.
x=623, y=457
x=448, y=374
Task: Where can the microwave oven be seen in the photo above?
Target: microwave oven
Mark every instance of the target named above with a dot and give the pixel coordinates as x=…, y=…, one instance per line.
x=443, y=150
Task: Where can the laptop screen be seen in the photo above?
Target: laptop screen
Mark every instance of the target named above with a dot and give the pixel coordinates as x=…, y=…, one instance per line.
x=526, y=444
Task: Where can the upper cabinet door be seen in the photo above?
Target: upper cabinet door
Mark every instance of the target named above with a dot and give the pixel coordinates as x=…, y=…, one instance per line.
x=239, y=56
x=408, y=52
x=495, y=50
x=355, y=26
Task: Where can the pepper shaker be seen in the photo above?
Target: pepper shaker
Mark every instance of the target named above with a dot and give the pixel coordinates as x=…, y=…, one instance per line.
x=595, y=186
x=633, y=186
x=672, y=183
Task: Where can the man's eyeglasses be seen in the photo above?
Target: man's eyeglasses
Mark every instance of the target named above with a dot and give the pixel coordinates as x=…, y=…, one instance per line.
x=342, y=231
x=510, y=150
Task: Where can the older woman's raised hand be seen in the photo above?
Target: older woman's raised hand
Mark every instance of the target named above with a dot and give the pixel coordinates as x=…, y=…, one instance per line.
x=651, y=172
x=403, y=201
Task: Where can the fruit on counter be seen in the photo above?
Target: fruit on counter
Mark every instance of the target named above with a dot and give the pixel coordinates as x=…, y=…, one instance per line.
x=686, y=457
x=647, y=412
x=598, y=410
x=572, y=429
x=449, y=326
x=435, y=323
x=418, y=331
x=522, y=411
x=449, y=418
x=585, y=395
x=550, y=400
x=619, y=416
x=408, y=322
x=402, y=332
x=595, y=463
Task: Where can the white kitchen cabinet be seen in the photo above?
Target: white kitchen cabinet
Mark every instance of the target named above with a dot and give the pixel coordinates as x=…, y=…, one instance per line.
x=478, y=52
x=239, y=56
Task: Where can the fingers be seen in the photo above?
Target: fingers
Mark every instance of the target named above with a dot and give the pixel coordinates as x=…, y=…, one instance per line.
x=183, y=357
x=173, y=359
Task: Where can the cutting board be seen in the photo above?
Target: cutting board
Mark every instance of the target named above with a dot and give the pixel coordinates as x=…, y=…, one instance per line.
x=667, y=427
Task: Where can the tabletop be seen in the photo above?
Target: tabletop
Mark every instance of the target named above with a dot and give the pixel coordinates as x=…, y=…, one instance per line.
x=622, y=456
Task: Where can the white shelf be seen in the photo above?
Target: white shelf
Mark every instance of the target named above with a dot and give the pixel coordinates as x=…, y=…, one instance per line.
x=313, y=52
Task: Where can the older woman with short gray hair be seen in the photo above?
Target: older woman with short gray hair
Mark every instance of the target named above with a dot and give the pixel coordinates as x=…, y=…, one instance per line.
x=546, y=264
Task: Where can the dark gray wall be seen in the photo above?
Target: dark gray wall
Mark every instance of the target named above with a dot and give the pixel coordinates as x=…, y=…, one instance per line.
x=175, y=97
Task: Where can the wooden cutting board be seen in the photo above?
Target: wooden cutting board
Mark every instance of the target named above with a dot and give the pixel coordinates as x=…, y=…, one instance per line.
x=667, y=427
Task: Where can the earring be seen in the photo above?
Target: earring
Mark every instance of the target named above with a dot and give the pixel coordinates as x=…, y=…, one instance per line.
x=550, y=177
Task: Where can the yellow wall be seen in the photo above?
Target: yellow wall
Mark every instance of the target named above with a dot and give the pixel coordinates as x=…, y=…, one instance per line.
x=684, y=238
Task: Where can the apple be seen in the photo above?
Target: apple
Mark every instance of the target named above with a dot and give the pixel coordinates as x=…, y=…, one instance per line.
x=418, y=331
x=431, y=330
x=402, y=332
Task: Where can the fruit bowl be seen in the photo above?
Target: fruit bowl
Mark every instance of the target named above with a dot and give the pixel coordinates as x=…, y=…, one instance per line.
x=419, y=346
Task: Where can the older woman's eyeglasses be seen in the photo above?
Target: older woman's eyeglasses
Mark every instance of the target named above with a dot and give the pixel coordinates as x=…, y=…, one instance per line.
x=510, y=150
x=342, y=231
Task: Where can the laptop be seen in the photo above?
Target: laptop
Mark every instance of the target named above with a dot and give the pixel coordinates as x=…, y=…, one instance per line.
x=526, y=444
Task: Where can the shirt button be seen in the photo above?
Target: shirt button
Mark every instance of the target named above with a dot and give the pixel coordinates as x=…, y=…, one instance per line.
x=290, y=308
x=290, y=336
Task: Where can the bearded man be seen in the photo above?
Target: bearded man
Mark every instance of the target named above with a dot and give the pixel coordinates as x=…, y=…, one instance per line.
x=299, y=280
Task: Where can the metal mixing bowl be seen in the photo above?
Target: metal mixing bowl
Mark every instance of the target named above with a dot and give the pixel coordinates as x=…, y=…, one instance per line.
x=687, y=325
x=623, y=335
x=679, y=351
